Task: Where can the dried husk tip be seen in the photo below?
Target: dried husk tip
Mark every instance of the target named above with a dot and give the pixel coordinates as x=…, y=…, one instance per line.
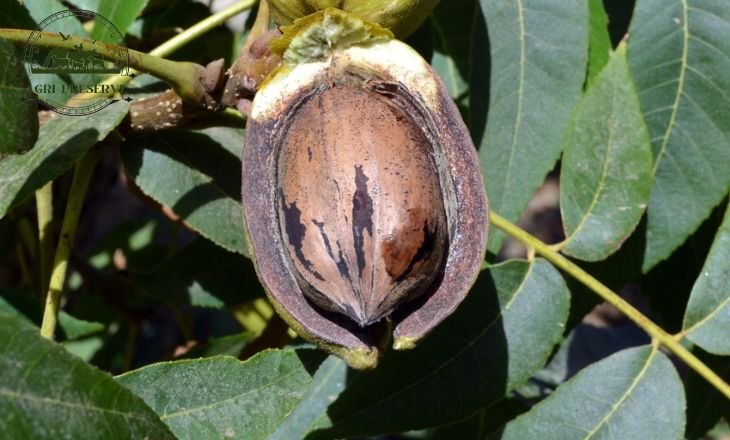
x=402, y=17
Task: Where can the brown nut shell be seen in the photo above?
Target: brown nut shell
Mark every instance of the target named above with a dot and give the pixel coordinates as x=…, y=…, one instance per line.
x=360, y=204
x=368, y=131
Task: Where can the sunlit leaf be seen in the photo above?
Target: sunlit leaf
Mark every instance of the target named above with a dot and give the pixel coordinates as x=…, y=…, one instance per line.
x=707, y=320
x=451, y=24
x=222, y=397
x=600, y=41
x=635, y=393
x=328, y=382
x=46, y=392
x=525, y=83
x=61, y=142
x=18, y=117
x=679, y=53
x=121, y=14
x=605, y=177
x=196, y=177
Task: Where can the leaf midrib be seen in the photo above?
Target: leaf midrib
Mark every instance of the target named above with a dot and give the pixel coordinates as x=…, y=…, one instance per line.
x=314, y=391
x=604, y=173
x=520, y=98
x=625, y=395
x=42, y=400
x=218, y=403
x=680, y=87
x=707, y=317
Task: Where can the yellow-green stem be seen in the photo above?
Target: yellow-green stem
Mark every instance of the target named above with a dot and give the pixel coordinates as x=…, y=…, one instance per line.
x=188, y=35
x=200, y=28
x=82, y=176
x=183, y=76
x=612, y=298
x=44, y=209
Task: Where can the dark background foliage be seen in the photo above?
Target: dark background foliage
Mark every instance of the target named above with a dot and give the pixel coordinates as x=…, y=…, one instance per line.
x=160, y=285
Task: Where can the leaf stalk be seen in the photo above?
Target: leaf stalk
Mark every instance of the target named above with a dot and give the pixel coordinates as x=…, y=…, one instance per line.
x=79, y=185
x=656, y=332
x=44, y=208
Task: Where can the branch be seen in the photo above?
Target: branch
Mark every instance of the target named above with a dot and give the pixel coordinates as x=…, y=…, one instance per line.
x=190, y=81
x=201, y=28
x=184, y=77
x=656, y=332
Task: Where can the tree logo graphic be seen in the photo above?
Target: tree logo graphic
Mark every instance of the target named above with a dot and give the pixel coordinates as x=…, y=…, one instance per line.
x=77, y=79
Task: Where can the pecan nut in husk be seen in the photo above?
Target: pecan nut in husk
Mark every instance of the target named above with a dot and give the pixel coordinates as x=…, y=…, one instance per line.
x=363, y=200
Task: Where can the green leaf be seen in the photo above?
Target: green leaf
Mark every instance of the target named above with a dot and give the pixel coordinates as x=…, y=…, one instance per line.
x=328, y=382
x=46, y=392
x=231, y=345
x=89, y=5
x=201, y=274
x=669, y=284
x=196, y=177
x=705, y=404
x=18, y=118
x=85, y=348
x=61, y=142
x=707, y=319
x=451, y=24
x=495, y=341
x=69, y=25
x=605, y=177
x=39, y=10
x=75, y=328
x=122, y=14
x=538, y=57
x=583, y=346
x=222, y=397
x=27, y=309
x=679, y=56
x=635, y=393
x=19, y=304
x=600, y=41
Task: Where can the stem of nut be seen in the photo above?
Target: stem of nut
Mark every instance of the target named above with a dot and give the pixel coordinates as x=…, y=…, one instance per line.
x=184, y=77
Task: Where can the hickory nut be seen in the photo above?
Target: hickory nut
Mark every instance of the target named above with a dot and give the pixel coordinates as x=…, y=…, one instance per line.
x=362, y=195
